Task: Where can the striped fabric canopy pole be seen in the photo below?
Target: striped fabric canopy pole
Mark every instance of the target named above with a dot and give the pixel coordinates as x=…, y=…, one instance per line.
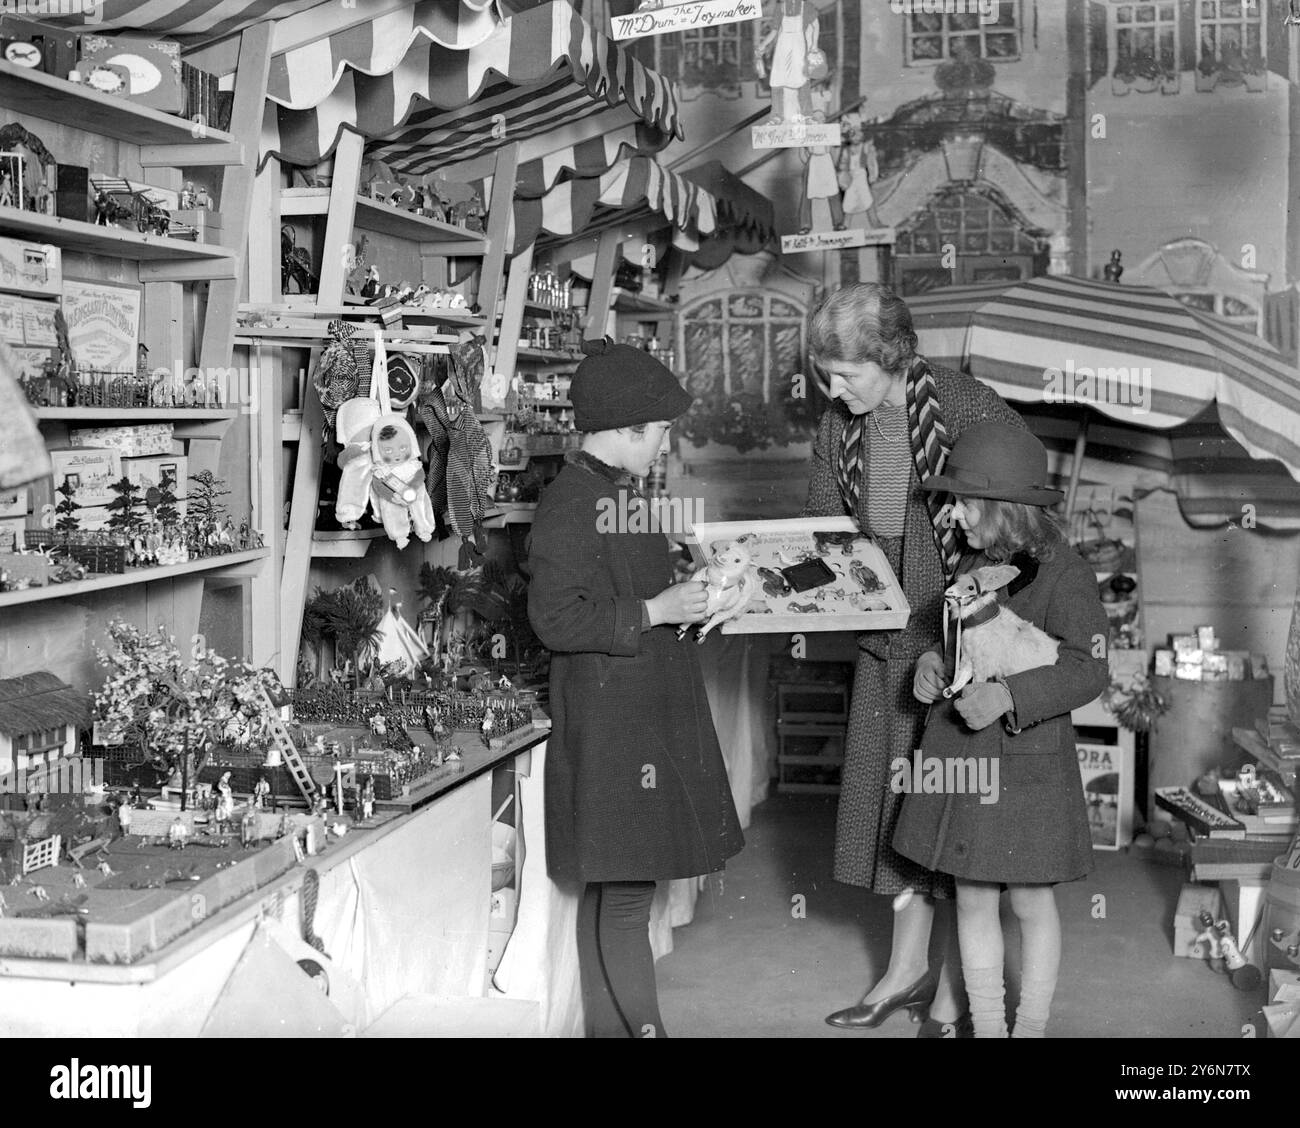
x=537, y=70
x=942, y=319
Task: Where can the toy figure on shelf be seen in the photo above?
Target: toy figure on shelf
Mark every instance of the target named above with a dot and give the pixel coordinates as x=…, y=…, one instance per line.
x=187, y=200
x=224, y=809
x=368, y=799
x=1113, y=269
x=248, y=828
x=261, y=793
x=489, y=723
x=124, y=817
x=397, y=487
x=7, y=191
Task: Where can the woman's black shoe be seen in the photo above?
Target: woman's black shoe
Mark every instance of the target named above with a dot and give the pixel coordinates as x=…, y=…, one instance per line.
x=915, y=998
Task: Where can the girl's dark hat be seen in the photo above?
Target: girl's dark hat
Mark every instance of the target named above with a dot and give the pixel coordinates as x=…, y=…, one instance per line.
x=996, y=460
x=621, y=386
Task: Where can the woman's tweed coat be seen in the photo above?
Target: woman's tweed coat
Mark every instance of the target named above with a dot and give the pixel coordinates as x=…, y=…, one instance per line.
x=1036, y=832
x=885, y=721
x=636, y=789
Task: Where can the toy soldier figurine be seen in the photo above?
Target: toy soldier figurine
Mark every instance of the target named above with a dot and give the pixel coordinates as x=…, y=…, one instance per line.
x=177, y=834
x=1113, y=269
x=124, y=817
x=261, y=790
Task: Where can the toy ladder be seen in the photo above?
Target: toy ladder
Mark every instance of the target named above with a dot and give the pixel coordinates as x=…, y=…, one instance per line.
x=289, y=751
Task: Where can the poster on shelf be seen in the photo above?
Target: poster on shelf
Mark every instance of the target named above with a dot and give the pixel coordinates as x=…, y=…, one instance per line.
x=103, y=323
x=1106, y=772
x=683, y=15
x=38, y=324
x=863, y=594
x=11, y=319
x=30, y=362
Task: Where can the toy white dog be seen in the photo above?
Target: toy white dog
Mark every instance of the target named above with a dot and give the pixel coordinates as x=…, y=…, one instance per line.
x=731, y=580
x=992, y=640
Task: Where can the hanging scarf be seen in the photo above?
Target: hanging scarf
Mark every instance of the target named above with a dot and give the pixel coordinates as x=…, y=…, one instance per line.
x=460, y=456
x=928, y=437
x=338, y=377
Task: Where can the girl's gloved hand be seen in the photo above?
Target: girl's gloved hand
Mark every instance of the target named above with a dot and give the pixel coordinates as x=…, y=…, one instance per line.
x=932, y=675
x=982, y=703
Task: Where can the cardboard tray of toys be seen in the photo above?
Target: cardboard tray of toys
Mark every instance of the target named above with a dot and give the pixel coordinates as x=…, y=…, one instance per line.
x=864, y=595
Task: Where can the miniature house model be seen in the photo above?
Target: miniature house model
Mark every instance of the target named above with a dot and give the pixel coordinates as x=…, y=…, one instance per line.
x=39, y=718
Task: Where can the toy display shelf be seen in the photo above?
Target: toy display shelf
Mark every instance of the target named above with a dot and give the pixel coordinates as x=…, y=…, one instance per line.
x=533, y=404
x=354, y=306
x=55, y=99
x=384, y=219
x=307, y=335
x=114, y=242
x=188, y=422
x=627, y=302
x=226, y=564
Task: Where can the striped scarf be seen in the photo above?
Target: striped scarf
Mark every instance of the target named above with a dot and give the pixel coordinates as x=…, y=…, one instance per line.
x=930, y=446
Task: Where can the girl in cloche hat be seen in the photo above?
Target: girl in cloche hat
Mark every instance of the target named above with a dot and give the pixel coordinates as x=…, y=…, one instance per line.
x=1018, y=821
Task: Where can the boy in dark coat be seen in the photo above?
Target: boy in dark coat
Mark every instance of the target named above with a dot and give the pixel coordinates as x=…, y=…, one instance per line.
x=636, y=789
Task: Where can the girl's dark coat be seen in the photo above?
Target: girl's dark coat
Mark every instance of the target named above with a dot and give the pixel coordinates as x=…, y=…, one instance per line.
x=1037, y=830
x=636, y=789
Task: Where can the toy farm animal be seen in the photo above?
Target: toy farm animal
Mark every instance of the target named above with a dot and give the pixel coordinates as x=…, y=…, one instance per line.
x=867, y=580
x=992, y=640
x=730, y=580
x=824, y=541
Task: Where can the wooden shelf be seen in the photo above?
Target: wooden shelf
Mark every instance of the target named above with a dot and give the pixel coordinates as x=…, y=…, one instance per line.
x=548, y=356
x=351, y=543
x=536, y=403
x=115, y=242
x=69, y=103
x=541, y=309
x=626, y=302
x=359, y=309
x=505, y=513
x=384, y=219
x=133, y=576
x=137, y=414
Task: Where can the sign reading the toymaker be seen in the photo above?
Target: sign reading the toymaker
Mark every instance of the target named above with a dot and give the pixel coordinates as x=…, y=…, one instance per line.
x=796, y=134
x=837, y=240
x=687, y=16
x=804, y=574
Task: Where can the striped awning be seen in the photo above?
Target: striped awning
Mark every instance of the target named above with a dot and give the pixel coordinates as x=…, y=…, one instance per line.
x=634, y=187
x=1217, y=410
x=305, y=76
x=537, y=70
x=197, y=21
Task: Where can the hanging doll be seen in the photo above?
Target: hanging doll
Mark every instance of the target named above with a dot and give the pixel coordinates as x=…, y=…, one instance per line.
x=821, y=183
x=338, y=377
x=859, y=168
x=380, y=464
x=795, y=59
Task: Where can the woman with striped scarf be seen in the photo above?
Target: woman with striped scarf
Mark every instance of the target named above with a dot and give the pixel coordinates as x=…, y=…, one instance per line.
x=894, y=419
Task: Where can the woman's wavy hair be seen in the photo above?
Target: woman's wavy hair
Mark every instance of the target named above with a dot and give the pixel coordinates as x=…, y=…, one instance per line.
x=865, y=321
x=1012, y=526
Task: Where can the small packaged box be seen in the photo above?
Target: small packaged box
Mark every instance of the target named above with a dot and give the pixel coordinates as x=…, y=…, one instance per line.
x=1259, y=666
x=170, y=471
x=154, y=66
x=30, y=268
x=143, y=440
x=1164, y=663
x=1205, y=638
x=13, y=502
x=1188, y=671
x=1215, y=662
x=1184, y=644
x=1238, y=664
x=89, y=474
x=39, y=330
x=11, y=319
x=12, y=533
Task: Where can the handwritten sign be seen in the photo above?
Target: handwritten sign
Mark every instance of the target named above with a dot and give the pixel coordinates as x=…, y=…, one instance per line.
x=837, y=240
x=684, y=17
x=796, y=135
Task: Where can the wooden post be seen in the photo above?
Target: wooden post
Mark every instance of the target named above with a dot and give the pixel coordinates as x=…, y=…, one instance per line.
x=602, y=282
x=500, y=209
x=340, y=219
x=512, y=316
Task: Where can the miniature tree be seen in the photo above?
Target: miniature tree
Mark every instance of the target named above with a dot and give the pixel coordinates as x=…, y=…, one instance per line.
x=66, y=509
x=125, y=506
x=166, y=513
x=203, y=504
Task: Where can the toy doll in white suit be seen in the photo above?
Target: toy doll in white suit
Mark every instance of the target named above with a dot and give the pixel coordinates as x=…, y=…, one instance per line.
x=398, y=495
